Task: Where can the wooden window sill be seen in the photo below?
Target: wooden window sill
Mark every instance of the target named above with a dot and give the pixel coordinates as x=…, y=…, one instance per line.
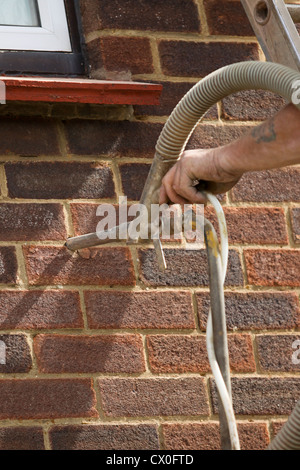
x=68, y=90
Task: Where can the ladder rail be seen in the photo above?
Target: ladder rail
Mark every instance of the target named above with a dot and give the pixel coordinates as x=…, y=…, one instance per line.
x=273, y=22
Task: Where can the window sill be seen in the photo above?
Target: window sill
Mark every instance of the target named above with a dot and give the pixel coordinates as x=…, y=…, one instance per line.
x=59, y=90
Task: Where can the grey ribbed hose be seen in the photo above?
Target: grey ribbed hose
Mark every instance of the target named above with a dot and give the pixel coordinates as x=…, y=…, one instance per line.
x=289, y=436
x=180, y=125
x=216, y=86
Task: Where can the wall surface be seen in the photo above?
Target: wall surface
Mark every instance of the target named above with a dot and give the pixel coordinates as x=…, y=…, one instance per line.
x=102, y=350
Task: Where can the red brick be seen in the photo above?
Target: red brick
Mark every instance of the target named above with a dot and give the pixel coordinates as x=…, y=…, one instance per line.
x=104, y=437
x=251, y=105
x=197, y=59
x=17, y=356
x=39, y=309
x=152, y=310
x=185, y=268
x=262, y=395
x=131, y=55
x=260, y=225
x=273, y=267
x=268, y=186
x=255, y=310
x=28, y=137
x=22, y=438
x=57, y=265
x=8, y=265
x=32, y=222
x=276, y=352
x=295, y=218
x=177, y=353
x=113, y=139
x=134, y=176
x=85, y=218
x=191, y=436
x=205, y=436
x=160, y=15
x=59, y=180
x=228, y=18
x=89, y=354
x=277, y=426
x=172, y=93
x=153, y=397
x=212, y=135
x=47, y=399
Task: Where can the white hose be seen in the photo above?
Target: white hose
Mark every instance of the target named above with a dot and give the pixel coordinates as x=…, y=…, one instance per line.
x=221, y=386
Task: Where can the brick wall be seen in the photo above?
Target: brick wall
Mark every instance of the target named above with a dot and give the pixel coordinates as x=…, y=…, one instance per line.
x=103, y=351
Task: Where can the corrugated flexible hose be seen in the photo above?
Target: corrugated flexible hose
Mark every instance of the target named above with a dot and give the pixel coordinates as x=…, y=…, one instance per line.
x=178, y=129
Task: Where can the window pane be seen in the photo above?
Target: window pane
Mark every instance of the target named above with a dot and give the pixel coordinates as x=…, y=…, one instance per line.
x=19, y=13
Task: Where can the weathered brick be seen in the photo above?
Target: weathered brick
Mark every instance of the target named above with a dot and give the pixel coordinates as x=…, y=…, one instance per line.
x=191, y=436
x=160, y=15
x=28, y=137
x=273, y=267
x=172, y=93
x=131, y=55
x=262, y=396
x=8, y=265
x=89, y=354
x=112, y=139
x=197, y=59
x=153, y=310
x=104, y=437
x=213, y=135
x=85, y=218
x=47, y=399
x=228, y=18
x=205, y=436
x=276, y=426
x=15, y=355
x=32, y=222
x=295, y=218
x=261, y=225
x=177, y=353
x=57, y=265
x=22, y=438
x=153, y=397
x=39, y=309
x=134, y=176
x=185, y=268
x=255, y=310
x=251, y=105
x=268, y=186
x=279, y=352
x=59, y=180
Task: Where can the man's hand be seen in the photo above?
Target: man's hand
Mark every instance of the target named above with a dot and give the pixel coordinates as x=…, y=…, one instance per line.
x=179, y=184
x=273, y=144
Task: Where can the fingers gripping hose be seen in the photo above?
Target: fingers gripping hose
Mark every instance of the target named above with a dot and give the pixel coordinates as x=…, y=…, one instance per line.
x=175, y=134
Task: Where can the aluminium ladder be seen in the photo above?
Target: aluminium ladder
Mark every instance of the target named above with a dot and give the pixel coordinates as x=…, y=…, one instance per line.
x=273, y=22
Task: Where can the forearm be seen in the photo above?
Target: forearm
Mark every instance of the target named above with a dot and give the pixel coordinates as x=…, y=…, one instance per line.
x=274, y=144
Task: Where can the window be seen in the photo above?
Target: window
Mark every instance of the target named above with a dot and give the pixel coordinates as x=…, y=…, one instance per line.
x=40, y=36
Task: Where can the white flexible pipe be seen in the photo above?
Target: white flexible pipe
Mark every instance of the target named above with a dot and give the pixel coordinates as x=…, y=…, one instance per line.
x=221, y=386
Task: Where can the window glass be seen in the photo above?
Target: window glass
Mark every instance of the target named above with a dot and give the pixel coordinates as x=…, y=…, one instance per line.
x=19, y=13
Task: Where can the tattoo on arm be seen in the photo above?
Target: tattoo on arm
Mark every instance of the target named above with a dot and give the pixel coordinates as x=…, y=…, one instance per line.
x=265, y=132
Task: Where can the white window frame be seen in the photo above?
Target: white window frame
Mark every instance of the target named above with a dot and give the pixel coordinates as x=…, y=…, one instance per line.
x=53, y=34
